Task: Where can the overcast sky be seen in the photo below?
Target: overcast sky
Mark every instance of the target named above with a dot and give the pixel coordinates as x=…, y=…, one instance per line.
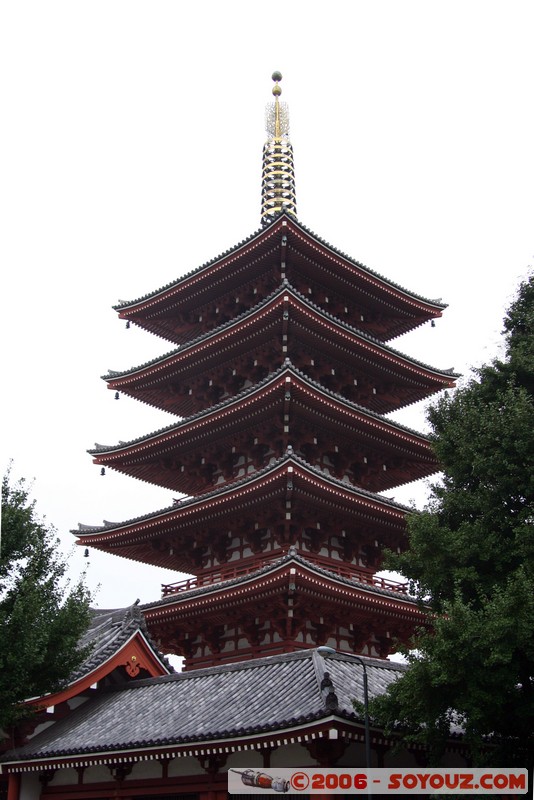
x=130, y=153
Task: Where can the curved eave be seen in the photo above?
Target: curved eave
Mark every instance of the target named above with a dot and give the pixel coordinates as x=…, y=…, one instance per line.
x=319, y=725
x=268, y=580
x=314, y=726
x=206, y=278
x=380, y=291
x=252, y=327
x=318, y=396
x=142, y=457
x=201, y=276
x=289, y=474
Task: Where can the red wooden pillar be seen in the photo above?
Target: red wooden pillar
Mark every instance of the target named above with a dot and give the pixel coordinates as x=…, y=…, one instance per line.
x=13, y=786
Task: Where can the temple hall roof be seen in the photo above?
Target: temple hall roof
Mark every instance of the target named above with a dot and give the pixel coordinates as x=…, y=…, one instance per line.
x=108, y=632
x=215, y=705
x=118, y=644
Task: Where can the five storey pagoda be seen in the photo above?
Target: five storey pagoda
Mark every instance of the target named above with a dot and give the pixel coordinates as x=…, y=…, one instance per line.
x=280, y=378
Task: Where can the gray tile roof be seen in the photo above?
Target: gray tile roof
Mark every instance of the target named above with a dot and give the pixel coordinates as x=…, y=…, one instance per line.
x=108, y=631
x=249, y=391
x=257, y=235
x=192, y=344
x=289, y=455
x=264, y=695
x=292, y=556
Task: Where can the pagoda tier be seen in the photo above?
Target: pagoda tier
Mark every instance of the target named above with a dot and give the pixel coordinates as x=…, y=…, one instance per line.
x=232, y=283
x=254, y=520
x=289, y=604
x=223, y=362
x=286, y=409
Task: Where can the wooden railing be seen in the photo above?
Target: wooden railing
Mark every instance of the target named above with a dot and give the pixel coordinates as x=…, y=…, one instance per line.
x=210, y=578
x=228, y=573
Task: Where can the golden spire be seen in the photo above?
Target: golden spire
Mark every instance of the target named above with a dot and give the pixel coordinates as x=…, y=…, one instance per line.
x=278, y=173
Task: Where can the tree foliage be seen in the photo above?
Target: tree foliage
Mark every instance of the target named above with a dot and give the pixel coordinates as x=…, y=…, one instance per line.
x=41, y=616
x=471, y=562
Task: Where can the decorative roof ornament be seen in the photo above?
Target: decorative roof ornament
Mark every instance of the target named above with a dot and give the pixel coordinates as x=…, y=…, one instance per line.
x=278, y=173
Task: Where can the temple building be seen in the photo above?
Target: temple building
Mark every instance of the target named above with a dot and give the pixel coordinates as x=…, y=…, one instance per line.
x=281, y=376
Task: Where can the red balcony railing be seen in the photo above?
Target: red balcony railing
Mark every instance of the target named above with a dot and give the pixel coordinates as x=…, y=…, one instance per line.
x=228, y=573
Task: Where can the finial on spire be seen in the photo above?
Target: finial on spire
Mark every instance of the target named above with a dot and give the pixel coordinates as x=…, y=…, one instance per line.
x=278, y=175
x=277, y=91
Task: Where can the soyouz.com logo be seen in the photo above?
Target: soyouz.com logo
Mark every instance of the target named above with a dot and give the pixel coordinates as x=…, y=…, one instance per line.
x=377, y=781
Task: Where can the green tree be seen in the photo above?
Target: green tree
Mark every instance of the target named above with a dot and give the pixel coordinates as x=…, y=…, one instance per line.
x=41, y=616
x=470, y=560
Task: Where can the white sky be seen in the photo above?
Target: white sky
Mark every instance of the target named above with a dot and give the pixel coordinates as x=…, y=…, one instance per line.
x=130, y=153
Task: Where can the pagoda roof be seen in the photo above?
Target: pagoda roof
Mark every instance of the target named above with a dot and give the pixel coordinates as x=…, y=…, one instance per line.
x=255, y=325
x=205, y=594
x=286, y=476
x=288, y=463
x=218, y=709
x=142, y=457
x=226, y=271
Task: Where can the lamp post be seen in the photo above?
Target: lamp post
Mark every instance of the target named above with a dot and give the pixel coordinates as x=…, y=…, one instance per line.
x=324, y=651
